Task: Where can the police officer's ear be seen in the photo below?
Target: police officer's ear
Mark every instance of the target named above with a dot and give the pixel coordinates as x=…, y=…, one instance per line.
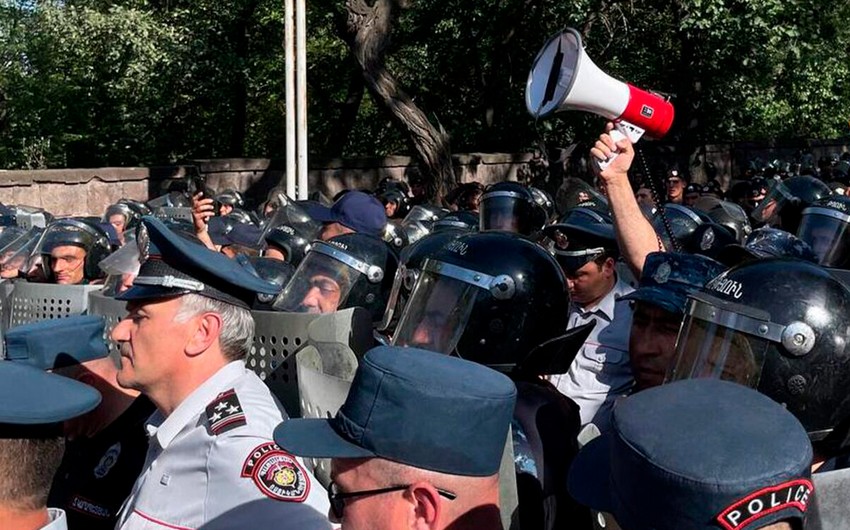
x=205, y=331
x=428, y=511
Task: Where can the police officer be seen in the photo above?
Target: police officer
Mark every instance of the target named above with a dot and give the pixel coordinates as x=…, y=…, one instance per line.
x=511, y=207
x=70, y=251
x=498, y=299
x=587, y=253
x=33, y=405
x=351, y=270
x=287, y=244
x=104, y=449
x=825, y=226
x=766, y=242
x=783, y=205
x=701, y=455
x=211, y=462
x=659, y=307
x=437, y=472
x=229, y=200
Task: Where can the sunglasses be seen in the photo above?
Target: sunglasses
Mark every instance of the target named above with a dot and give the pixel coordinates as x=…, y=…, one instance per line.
x=337, y=498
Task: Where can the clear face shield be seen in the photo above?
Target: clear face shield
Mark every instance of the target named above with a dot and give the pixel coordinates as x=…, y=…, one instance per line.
x=323, y=281
x=289, y=213
x=420, y=213
x=826, y=231
x=120, y=267
x=441, y=304
x=15, y=255
x=768, y=209
x=721, y=339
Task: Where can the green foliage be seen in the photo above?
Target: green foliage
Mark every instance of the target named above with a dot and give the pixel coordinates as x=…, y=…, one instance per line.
x=97, y=82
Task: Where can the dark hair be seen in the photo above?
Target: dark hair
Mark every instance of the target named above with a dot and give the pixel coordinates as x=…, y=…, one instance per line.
x=27, y=466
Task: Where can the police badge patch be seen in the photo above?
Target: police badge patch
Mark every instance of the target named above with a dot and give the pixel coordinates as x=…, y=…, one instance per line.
x=225, y=413
x=276, y=473
x=108, y=460
x=790, y=495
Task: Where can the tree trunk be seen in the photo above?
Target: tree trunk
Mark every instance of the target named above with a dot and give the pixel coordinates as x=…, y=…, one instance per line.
x=368, y=32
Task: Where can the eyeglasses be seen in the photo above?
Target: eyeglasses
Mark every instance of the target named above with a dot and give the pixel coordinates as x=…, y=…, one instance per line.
x=337, y=498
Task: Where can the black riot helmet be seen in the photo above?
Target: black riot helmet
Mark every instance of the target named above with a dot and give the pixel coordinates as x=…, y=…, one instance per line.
x=575, y=192
x=273, y=271
x=683, y=222
x=231, y=198
x=543, y=200
x=785, y=201
x=408, y=271
x=826, y=228
x=779, y=326
x=459, y=220
x=395, y=235
x=510, y=207
x=733, y=217
x=489, y=297
x=288, y=241
x=399, y=200
x=350, y=270
x=78, y=233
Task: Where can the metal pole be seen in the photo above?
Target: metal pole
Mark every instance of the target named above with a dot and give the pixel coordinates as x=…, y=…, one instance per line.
x=301, y=95
x=289, y=48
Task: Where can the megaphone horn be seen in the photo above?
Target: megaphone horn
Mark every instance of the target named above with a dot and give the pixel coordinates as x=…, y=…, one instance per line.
x=564, y=78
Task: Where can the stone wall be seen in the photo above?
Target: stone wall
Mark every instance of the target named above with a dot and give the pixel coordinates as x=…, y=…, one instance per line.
x=66, y=192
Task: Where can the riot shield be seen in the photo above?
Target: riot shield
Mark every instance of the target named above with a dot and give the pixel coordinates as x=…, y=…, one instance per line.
x=112, y=311
x=278, y=335
x=829, y=509
x=31, y=302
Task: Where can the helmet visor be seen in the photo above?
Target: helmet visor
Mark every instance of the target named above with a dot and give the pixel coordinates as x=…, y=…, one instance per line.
x=16, y=256
x=504, y=210
x=321, y=284
x=719, y=339
x=826, y=231
x=420, y=213
x=768, y=209
x=439, y=308
x=289, y=213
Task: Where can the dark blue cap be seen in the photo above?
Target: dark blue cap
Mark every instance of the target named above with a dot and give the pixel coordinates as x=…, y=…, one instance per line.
x=669, y=277
x=768, y=242
x=697, y=454
x=173, y=266
x=30, y=396
x=358, y=211
x=415, y=407
x=577, y=243
x=59, y=342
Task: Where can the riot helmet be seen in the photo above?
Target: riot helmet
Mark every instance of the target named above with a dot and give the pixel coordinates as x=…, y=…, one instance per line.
x=733, y=217
x=825, y=226
x=464, y=220
x=286, y=241
x=489, y=297
x=350, y=270
x=584, y=215
x=784, y=204
x=231, y=198
x=273, y=271
x=242, y=216
x=710, y=240
x=74, y=233
x=395, y=235
x=544, y=201
x=576, y=192
x=766, y=242
x=408, y=271
x=290, y=213
x=427, y=213
x=683, y=222
x=510, y=207
x=779, y=326
x=396, y=203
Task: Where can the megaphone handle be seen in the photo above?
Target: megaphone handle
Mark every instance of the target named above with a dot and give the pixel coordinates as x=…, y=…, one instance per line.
x=621, y=131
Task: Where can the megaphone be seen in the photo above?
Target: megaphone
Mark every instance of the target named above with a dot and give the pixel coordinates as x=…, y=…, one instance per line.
x=564, y=78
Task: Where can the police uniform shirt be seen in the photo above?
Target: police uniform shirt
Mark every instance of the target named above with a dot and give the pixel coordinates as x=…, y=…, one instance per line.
x=601, y=371
x=57, y=520
x=212, y=464
x=97, y=473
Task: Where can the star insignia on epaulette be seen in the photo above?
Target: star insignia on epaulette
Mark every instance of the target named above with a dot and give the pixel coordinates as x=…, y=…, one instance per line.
x=225, y=413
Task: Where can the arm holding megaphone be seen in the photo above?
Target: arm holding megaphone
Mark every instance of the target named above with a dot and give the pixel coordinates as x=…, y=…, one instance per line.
x=635, y=235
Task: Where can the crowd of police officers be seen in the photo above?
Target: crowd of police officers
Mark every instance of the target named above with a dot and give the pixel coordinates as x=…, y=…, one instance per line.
x=670, y=359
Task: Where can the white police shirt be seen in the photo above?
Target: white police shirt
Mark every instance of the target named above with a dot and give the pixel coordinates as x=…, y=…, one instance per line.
x=600, y=372
x=57, y=520
x=212, y=463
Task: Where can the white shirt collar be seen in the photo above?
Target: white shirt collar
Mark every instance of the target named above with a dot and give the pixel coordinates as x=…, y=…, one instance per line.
x=607, y=305
x=57, y=520
x=165, y=429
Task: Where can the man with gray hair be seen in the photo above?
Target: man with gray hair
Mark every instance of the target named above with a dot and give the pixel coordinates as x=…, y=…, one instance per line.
x=211, y=459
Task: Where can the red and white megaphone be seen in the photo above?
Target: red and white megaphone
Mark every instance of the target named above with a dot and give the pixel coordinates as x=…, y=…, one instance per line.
x=564, y=78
